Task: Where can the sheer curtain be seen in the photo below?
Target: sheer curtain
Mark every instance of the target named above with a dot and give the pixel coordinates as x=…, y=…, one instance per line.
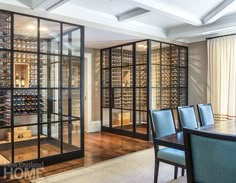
x=221, y=81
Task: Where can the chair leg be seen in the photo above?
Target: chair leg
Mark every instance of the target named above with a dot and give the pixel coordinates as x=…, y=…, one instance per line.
x=156, y=171
x=182, y=172
x=176, y=172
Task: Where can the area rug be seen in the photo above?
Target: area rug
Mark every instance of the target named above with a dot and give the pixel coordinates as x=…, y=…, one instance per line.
x=132, y=168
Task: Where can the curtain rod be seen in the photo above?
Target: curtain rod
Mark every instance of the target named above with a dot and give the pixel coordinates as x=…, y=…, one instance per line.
x=221, y=36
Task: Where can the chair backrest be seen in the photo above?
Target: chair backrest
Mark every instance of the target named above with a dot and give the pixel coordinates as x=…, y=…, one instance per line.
x=209, y=157
x=187, y=116
x=162, y=122
x=205, y=114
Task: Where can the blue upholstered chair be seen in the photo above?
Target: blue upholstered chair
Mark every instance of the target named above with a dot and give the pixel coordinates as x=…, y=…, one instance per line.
x=205, y=114
x=209, y=157
x=187, y=116
x=162, y=124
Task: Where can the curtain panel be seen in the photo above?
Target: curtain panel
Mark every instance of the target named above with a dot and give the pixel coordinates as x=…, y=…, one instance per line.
x=221, y=81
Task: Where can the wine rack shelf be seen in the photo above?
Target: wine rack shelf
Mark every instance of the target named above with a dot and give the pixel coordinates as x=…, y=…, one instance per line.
x=140, y=76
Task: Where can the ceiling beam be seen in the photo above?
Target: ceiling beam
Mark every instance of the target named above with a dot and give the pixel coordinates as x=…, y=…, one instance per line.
x=43, y=4
x=217, y=12
x=223, y=25
x=131, y=14
x=154, y=5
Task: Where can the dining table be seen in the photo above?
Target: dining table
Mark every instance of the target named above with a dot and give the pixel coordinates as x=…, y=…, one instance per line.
x=177, y=140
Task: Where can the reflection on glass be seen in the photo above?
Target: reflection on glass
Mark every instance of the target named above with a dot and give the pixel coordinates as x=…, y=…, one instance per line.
x=25, y=33
x=29, y=152
x=141, y=122
x=71, y=136
x=127, y=120
x=5, y=146
x=75, y=100
x=116, y=118
x=49, y=71
x=71, y=40
x=50, y=37
x=5, y=108
x=50, y=141
x=50, y=105
x=106, y=117
x=5, y=30
x=156, y=51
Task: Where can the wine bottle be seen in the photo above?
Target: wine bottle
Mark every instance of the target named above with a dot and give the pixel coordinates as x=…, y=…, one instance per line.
x=22, y=81
x=17, y=80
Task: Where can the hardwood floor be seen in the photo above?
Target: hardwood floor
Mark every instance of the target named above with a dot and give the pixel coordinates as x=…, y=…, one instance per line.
x=98, y=147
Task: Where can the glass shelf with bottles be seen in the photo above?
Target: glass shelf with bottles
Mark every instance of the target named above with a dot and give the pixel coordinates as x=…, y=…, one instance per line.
x=5, y=31
x=5, y=108
x=26, y=102
x=5, y=69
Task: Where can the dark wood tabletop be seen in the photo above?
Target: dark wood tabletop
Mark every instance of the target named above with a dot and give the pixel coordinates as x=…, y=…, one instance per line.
x=176, y=140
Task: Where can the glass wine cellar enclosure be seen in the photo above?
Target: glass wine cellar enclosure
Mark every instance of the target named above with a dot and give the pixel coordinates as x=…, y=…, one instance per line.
x=41, y=83
x=139, y=76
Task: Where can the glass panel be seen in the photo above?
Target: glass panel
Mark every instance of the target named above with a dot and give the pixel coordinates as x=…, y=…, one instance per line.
x=50, y=105
x=25, y=33
x=141, y=99
x=117, y=98
x=105, y=59
x=174, y=55
x=127, y=120
x=65, y=103
x=156, y=98
x=116, y=118
x=5, y=108
x=127, y=55
x=165, y=70
x=165, y=97
x=105, y=78
x=71, y=40
x=116, y=57
x=116, y=77
x=183, y=96
x=25, y=107
x=25, y=70
x=23, y=152
x=141, y=53
x=75, y=100
x=141, y=76
x=5, y=147
x=141, y=122
x=174, y=97
x=183, y=77
x=155, y=54
x=106, y=98
x=75, y=72
x=174, y=77
x=127, y=76
x=71, y=136
x=183, y=57
x=5, y=69
x=127, y=98
x=5, y=30
x=155, y=75
x=49, y=71
x=50, y=37
x=65, y=71
x=50, y=143
x=165, y=54
x=105, y=117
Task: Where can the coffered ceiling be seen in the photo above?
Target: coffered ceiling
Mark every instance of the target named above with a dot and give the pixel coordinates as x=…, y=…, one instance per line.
x=170, y=20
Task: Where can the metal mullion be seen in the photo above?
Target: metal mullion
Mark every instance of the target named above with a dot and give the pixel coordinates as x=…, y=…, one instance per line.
x=149, y=93
x=121, y=88
x=134, y=87
x=12, y=89
x=101, y=84
x=161, y=75
x=111, y=91
x=82, y=87
x=186, y=76
x=170, y=68
x=178, y=75
x=61, y=74
x=38, y=85
x=69, y=91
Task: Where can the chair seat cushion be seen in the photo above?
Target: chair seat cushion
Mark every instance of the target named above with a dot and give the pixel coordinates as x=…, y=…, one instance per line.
x=172, y=155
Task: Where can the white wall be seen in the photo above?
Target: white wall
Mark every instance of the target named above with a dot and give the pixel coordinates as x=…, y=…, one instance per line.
x=197, y=74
